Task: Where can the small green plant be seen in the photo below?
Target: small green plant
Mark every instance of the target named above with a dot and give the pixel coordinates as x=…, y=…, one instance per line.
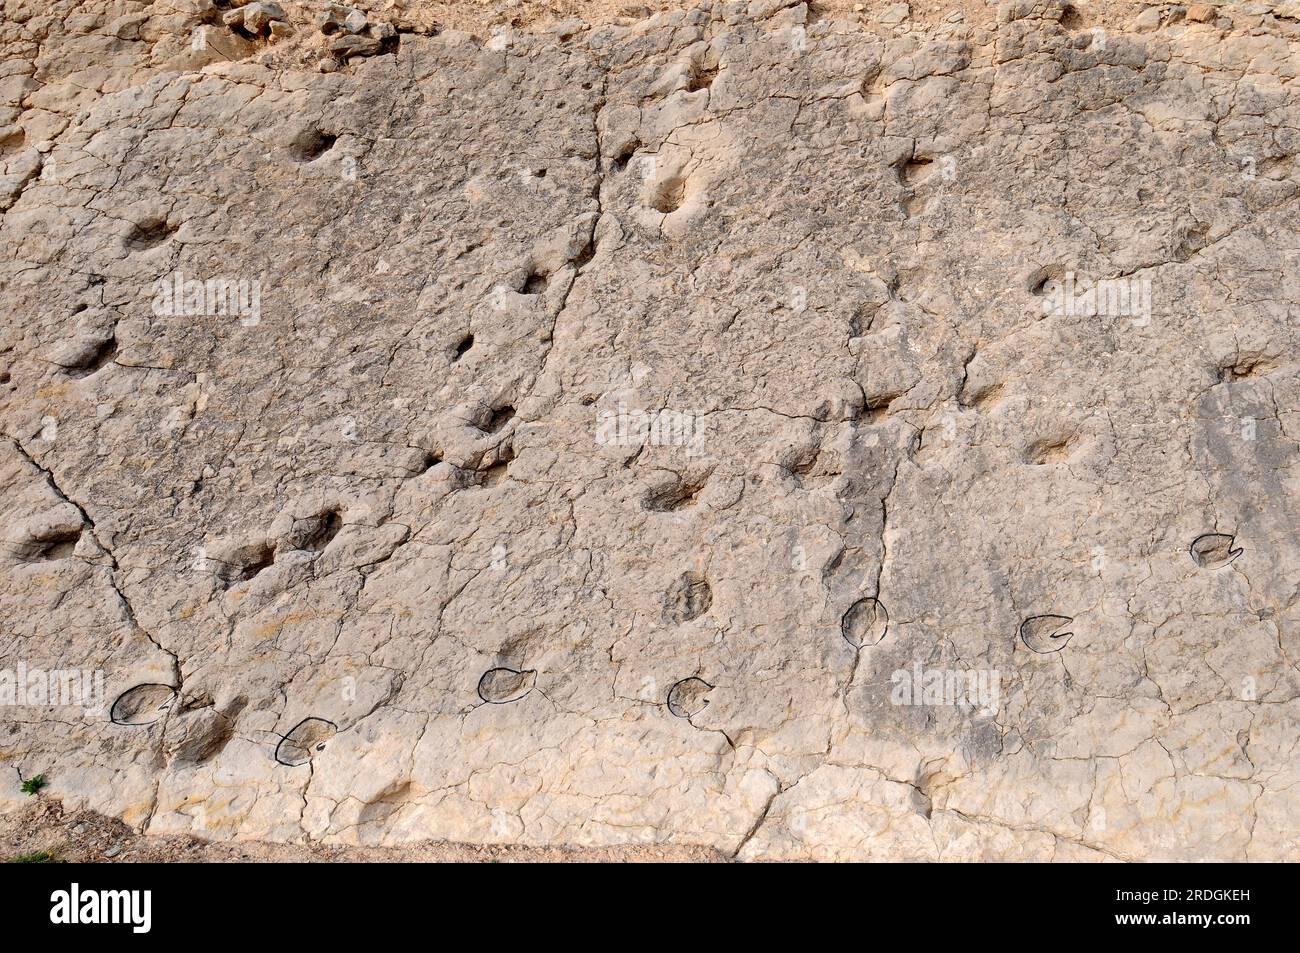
x=34, y=784
x=39, y=857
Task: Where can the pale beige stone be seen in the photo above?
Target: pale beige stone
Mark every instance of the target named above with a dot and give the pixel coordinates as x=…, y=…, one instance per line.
x=657, y=429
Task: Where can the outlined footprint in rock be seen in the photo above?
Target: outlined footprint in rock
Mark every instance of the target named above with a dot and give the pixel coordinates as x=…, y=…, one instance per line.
x=304, y=741
x=501, y=686
x=688, y=697
x=1214, y=550
x=142, y=704
x=1042, y=633
x=865, y=623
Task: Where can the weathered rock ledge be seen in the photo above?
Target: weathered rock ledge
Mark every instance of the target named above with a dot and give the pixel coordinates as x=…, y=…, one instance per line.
x=588, y=433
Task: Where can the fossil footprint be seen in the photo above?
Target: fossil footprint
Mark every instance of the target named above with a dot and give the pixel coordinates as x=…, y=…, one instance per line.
x=865, y=623
x=305, y=741
x=1214, y=550
x=688, y=697
x=142, y=705
x=1043, y=634
x=501, y=685
x=689, y=598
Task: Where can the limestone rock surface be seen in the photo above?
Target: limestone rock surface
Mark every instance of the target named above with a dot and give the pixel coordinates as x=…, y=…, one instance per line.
x=838, y=435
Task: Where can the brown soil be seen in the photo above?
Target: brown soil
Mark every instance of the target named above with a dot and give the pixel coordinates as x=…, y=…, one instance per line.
x=87, y=837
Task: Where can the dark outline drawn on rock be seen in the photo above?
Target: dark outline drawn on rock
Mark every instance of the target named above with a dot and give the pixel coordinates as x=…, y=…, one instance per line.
x=881, y=612
x=513, y=671
x=674, y=709
x=162, y=709
x=285, y=737
x=1232, y=553
x=1053, y=634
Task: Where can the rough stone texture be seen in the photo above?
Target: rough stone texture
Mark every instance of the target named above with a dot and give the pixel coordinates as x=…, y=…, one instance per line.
x=369, y=568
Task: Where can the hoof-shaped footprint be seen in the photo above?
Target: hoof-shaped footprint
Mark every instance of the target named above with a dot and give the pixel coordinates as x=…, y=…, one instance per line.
x=305, y=741
x=499, y=686
x=688, y=697
x=1214, y=550
x=143, y=704
x=1042, y=633
x=689, y=598
x=865, y=623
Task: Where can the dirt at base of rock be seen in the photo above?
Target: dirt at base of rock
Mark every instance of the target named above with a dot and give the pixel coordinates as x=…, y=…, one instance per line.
x=88, y=837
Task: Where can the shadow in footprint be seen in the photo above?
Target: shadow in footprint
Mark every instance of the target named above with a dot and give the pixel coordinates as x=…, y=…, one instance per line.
x=1042, y=633
x=500, y=686
x=865, y=624
x=148, y=234
x=1214, y=550
x=143, y=704
x=306, y=740
x=688, y=697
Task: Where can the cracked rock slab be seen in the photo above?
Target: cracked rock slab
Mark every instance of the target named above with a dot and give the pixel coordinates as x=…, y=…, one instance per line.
x=516, y=438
